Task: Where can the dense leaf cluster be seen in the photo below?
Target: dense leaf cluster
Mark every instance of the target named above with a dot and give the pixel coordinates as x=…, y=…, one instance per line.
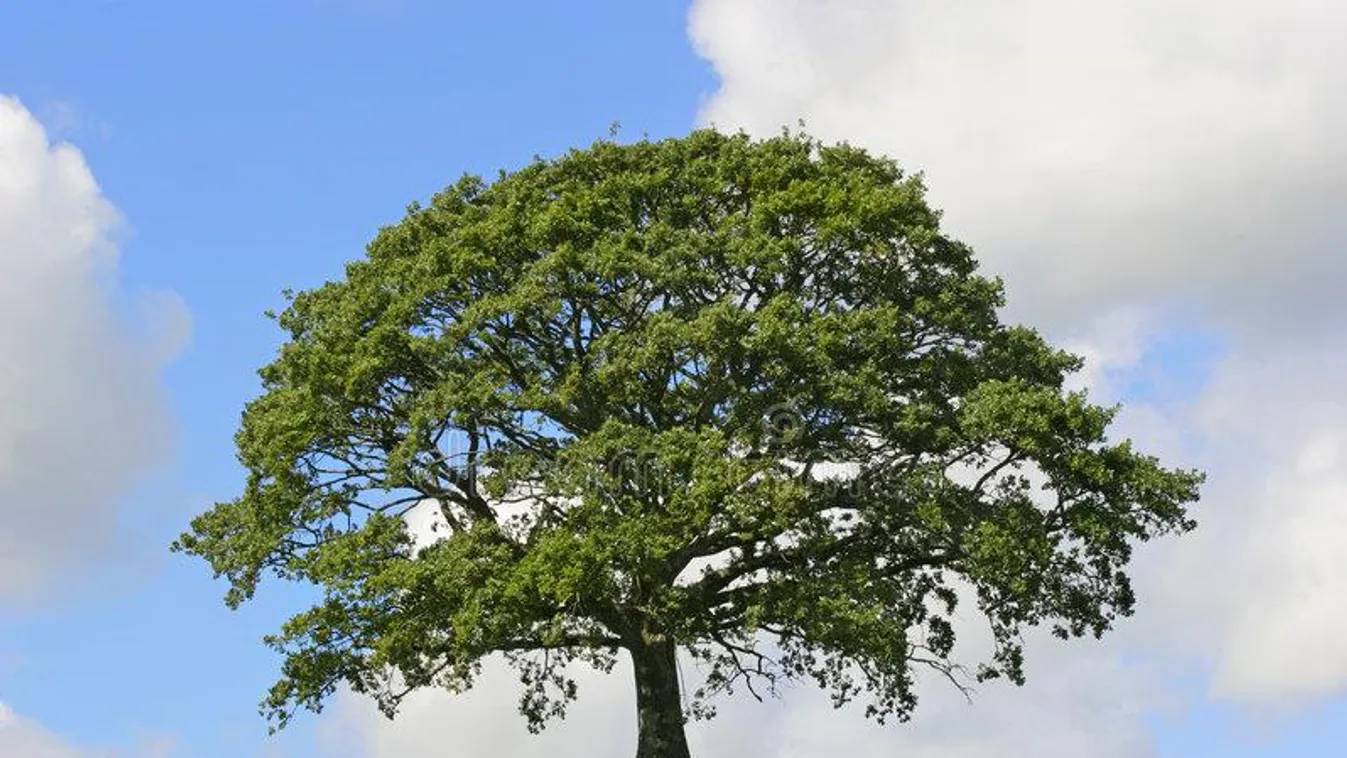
x=742, y=397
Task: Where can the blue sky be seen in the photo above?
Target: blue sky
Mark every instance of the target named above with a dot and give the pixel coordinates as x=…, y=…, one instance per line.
x=251, y=147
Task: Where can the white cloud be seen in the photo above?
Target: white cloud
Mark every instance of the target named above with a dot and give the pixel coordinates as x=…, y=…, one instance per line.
x=82, y=414
x=485, y=721
x=24, y=738
x=1260, y=588
x=20, y=736
x=1099, y=154
x=1134, y=168
x=1062, y=712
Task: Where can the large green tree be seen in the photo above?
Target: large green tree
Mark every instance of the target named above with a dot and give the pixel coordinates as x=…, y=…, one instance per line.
x=737, y=398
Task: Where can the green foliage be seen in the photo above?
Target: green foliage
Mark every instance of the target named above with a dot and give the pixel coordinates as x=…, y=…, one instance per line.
x=742, y=397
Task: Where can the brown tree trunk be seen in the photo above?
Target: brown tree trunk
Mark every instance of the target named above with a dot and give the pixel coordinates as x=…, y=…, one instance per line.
x=659, y=705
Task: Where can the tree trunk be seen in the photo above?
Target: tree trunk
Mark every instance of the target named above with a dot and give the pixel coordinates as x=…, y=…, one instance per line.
x=659, y=704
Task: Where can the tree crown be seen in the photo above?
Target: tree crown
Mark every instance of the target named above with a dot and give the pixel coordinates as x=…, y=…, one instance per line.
x=739, y=396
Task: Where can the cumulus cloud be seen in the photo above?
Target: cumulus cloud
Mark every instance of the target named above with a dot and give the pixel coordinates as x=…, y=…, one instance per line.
x=19, y=736
x=485, y=721
x=1098, y=154
x=1263, y=585
x=1062, y=712
x=25, y=738
x=82, y=412
x=1138, y=171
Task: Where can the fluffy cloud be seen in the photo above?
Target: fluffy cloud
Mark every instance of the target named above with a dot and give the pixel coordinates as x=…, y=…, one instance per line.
x=802, y=723
x=19, y=736
x=1062, y=712
x=82, y=413
x=1138, y=170
x=485, y=721
x=1098, y=154
x=26, y=738
x=1261, y=588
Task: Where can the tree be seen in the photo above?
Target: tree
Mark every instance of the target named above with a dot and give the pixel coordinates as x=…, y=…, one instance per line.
x=737, y=398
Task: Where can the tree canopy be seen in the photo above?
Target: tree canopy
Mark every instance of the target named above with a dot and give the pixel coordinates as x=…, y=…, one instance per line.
x=738, y=398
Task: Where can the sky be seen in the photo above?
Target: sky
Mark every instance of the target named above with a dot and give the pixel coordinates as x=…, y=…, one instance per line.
x=1160, y=183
